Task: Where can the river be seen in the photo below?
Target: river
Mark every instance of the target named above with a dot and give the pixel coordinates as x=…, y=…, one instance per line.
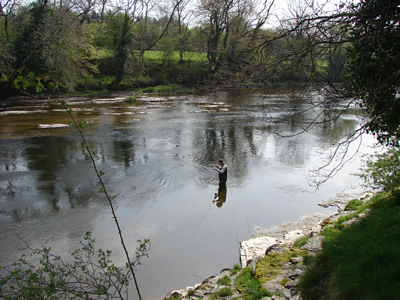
x=158, y=156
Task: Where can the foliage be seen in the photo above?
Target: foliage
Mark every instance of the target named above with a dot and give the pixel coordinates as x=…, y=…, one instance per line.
x=89, y=48
x=90, y=274
x=361, y=260
x=382, y=171
x=373, y=72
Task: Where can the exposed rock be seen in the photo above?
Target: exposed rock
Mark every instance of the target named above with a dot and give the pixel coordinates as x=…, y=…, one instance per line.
x=293, y=235
x=254, y=248
x=314, y=244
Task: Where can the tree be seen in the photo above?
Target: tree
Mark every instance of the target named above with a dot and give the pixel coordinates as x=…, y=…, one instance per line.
x=120, y=27
x=85, y=8
x=32, y=44
x=373, y=72
x=6, y=9
x=231, y=28
x=182, y=18
x=46, y=44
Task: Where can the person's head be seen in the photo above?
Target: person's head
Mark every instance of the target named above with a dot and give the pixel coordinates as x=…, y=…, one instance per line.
x=221, y=162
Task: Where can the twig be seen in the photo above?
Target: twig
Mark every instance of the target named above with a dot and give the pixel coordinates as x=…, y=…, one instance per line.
x=104, y=190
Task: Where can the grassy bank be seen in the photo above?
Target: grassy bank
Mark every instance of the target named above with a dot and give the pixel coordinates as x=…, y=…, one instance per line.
x=361, y=260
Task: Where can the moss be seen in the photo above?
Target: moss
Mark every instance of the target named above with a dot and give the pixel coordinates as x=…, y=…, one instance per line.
x=284, y=281
x=326, y=222
x=270, y=266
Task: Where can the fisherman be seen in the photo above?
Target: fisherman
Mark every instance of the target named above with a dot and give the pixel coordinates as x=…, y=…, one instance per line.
x=222, y=170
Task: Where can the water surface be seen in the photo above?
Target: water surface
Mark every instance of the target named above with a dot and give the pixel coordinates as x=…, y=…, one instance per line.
x=158, y=156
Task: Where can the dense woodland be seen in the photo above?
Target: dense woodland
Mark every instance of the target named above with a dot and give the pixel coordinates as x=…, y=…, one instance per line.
x=100, y=44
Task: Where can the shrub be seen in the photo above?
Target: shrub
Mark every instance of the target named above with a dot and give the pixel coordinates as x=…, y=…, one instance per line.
x=382, y=171
x=91, y=274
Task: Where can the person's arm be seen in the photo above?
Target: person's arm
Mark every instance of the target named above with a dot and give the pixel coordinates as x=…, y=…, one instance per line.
x=222, y=169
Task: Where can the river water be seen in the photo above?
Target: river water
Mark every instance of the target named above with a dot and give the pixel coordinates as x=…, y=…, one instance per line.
x=158, y=156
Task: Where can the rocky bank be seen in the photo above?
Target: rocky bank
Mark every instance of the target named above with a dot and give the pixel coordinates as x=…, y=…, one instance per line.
x=270, y=253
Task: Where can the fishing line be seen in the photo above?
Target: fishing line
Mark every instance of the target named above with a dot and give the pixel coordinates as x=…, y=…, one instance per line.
x=201, y=221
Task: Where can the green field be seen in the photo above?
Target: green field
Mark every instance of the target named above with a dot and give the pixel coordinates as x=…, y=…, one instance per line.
x=187, y=56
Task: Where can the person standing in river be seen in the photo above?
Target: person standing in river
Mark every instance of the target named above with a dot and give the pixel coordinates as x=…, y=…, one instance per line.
x=222, y=170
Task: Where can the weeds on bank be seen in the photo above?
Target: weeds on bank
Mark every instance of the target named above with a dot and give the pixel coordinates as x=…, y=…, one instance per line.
x=248, y=284
x=235, y=270
x=224, y=281
x=360, y=261
x=301, y=242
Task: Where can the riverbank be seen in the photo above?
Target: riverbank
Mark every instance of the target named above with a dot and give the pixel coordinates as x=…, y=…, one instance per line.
x=275, y=257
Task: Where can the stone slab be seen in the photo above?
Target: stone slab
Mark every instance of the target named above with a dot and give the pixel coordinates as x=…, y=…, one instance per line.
x=255, y=248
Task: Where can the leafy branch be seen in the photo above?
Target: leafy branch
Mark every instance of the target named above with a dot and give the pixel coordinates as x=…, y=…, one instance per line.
x=90, y=275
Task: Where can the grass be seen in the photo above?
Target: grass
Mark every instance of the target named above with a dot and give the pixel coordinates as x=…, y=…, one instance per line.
x=224, y=292
x=187, y=56
x=235, y=270
x=301, y=242
x=249, y=285
x=360, y=261
x=224, y=281
x=161, y=89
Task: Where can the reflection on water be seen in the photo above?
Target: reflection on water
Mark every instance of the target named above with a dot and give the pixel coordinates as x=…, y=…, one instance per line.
x=158, y=157
x=220, y=197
